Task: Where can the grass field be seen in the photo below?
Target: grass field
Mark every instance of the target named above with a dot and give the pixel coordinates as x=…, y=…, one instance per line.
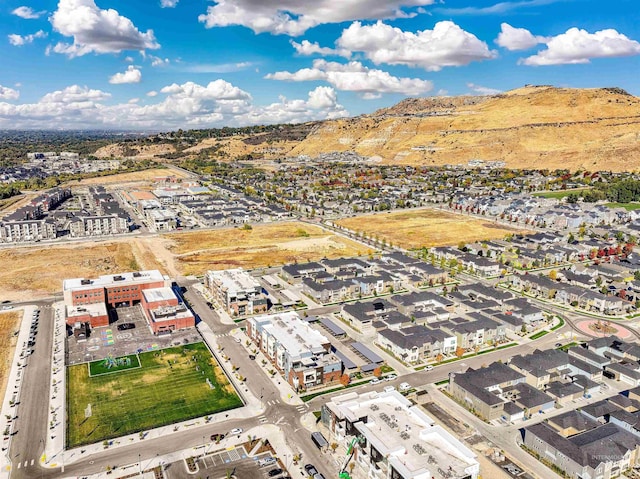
x=560, y=193
x=9, y=324
x=165, y=390
x=424, y=228
x=263, y=245
x=98, y=368
x=626, y=206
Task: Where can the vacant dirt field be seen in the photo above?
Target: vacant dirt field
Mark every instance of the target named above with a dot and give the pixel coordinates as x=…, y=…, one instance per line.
x=263, y=245
x=144, y=175
x=424, y=228
x=32, y=273
x=9, y=324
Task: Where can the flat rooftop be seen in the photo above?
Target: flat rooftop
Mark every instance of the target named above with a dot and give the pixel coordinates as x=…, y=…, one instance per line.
x=235, y=280
x=413, y=444
x=97, y=309
x=108, y=280
x=294, y=334
x=158, y=294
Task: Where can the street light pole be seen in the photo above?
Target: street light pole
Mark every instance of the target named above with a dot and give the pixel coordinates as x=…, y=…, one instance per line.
x=140, y=464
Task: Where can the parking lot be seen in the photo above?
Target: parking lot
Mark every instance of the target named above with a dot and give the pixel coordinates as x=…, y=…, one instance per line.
x=111, y=341
x=216, y=465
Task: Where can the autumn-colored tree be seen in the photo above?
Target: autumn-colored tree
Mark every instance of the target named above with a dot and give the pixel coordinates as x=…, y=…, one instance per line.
x=553, y=275
x=459, y=351
x=377, y=372
x=345, y=380
x=439, y=357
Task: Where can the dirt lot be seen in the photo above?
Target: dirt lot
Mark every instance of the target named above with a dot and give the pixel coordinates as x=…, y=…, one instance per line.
x=144, y=175
x=9, y=324
x=263, y=245
x=38, y=272
x=425, y=228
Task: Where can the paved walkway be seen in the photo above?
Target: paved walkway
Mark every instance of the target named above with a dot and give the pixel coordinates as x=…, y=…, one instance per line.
x=282, y=449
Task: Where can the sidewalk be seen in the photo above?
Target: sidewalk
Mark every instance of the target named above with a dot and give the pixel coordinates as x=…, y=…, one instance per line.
x=283, y=450
x=12, y=394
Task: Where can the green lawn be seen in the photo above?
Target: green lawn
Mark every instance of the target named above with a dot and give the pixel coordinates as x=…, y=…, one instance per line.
x=106, y=366
x=166, y=389
x=626, y=206
x=560, y=193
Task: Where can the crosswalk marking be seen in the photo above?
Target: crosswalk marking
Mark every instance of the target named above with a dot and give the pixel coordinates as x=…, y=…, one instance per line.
x=32, y=461
x=19, y=464
x=262, y=419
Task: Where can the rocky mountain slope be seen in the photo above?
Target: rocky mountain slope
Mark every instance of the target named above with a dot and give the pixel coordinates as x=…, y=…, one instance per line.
x=530, y=127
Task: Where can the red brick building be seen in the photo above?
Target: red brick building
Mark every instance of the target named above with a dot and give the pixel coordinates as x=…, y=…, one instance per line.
x=89, y=300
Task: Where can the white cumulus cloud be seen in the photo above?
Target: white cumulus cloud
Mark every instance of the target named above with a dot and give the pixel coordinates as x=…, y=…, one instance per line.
x=168, y=3
x=354, y=76
x=130, y=75
x=19, y=40
x=577, y=46
x=185, y=105
x=7, y=93
x=307, y=48
x=446, y=45
x=294, y=17
x=482, y=90
x=28, y=13
x=96, y=30
x=513, y=38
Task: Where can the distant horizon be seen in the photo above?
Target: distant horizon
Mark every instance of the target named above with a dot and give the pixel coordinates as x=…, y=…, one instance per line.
x=152, y=131
x=170, y=64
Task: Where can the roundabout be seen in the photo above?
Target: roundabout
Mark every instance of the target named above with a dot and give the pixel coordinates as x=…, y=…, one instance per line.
x=600, y=328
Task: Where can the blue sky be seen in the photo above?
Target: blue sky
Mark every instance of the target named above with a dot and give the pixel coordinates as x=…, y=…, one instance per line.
x=167, y=64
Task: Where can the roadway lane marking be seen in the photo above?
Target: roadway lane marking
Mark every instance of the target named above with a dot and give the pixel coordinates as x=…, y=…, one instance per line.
x=19, y=464
x=32, y=461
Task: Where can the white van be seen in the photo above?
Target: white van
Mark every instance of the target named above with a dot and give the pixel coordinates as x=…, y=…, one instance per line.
x=404, y=386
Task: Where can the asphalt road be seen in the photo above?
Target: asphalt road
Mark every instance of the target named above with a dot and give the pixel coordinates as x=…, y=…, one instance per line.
x=31, y=427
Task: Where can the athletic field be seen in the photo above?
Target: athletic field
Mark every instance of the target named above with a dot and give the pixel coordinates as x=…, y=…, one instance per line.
x=169, y=386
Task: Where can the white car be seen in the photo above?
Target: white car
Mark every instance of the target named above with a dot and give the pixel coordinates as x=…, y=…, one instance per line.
x=404, y=386
x=237, y=340
x=391, y=377
x=428, y=368
x=374, y=381
x=237, y=430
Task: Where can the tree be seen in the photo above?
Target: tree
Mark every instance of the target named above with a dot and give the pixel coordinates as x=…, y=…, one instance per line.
x=334, y=446
x=345, y=380
x=553, y=275
x=439, y=357
x=459, y=351
x=377, y=372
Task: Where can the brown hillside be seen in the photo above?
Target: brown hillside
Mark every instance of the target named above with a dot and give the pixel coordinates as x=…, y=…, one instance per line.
x=544, y=127
x=533, y=126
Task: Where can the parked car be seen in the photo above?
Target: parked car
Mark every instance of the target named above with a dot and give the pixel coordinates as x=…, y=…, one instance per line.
x=428, y=368
x=374, y=381
x=237, y=340
x=252, y=356
x=404, y=386
x=266, y=461
x=236, y=430
x=311, y=469
x=275, y=472
x=390, y=377
x=125, y=326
